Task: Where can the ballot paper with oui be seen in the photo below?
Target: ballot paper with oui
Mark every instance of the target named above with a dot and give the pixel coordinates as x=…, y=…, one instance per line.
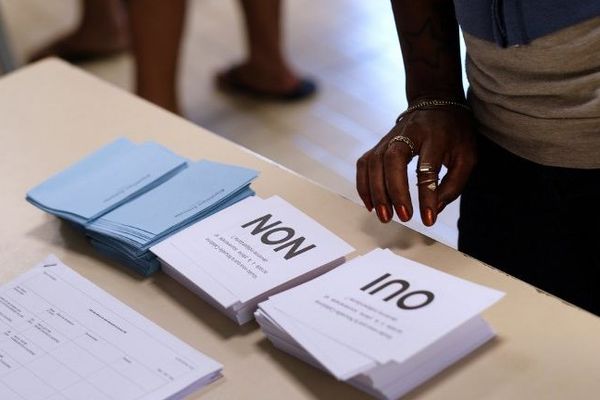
x=241, y=255
x=63, y=338
x=381, y=322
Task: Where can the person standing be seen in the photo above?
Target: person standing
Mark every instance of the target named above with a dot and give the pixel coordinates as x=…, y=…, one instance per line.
x=153, y=29
x=523, y=148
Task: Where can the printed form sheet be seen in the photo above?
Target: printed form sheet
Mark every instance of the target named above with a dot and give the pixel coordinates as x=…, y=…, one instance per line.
x=62, y=337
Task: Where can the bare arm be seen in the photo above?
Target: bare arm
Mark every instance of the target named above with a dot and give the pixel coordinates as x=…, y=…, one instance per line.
x=428, y=34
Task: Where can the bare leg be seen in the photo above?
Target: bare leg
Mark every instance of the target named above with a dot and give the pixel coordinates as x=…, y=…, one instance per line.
x=262, y=20
x=102, y=31
x=265, y=69
x=156, y=29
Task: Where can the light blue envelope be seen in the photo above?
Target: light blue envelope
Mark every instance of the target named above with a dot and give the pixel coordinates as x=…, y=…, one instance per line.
x=106, y=179
x=127, y=197
x=201, y=189
x=141, y=260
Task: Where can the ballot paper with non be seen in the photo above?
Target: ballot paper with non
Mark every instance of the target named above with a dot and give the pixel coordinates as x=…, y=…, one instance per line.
x=127, y=197
x=381, y=322
x=62, y=337
x=240, y=256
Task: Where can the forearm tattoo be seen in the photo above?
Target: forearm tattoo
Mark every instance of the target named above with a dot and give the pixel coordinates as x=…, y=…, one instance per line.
x=428, y=34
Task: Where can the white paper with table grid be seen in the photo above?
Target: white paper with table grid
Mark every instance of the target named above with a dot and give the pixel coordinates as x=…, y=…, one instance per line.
x=62, y=337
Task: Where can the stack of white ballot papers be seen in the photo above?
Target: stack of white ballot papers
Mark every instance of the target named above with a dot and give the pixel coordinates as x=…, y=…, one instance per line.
x=240, y=256
x=63, y=338
x=381, y=322
x=127, y=197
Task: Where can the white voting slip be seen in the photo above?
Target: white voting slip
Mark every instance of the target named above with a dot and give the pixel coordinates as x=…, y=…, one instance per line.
x=381, y=322
x=238, y=257
x=64, y=338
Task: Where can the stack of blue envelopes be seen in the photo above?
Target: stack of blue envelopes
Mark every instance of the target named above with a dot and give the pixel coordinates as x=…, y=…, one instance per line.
x=105, y=179
x=203, y=188
x=128, y=197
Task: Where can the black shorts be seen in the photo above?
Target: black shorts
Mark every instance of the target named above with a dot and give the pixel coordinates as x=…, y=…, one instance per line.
x=540, y=224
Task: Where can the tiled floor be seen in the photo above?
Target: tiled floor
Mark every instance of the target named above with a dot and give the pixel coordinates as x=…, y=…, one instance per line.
x=349, y=46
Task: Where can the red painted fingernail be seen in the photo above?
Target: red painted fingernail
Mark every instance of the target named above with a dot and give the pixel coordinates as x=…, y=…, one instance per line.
x=369, y=207
x=402, y=212
x=429, y=218
x=383, y=213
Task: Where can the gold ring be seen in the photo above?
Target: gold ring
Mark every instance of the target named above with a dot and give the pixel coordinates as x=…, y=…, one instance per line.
x=431, y=183
x=426, y=181
x=426, y=168
x=406, y=141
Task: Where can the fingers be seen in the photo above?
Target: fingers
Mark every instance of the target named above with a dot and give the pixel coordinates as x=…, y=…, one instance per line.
x=395, y=160
x=428, y=168
x=379, y=196
x=362, y=181
x=381, y=180
x=438, y=138
x=454, y=182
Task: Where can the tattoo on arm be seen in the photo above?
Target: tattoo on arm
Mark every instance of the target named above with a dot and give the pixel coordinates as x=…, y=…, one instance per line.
x=424, y=46
x=429, y=39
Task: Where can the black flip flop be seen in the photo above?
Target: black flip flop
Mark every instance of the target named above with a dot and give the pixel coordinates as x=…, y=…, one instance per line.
x=228, y=83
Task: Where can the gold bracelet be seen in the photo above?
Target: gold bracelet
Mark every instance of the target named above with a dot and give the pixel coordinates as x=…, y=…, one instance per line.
x=432, y=103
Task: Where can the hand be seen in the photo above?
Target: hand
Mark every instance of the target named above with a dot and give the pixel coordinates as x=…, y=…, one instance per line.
x=441, y=136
